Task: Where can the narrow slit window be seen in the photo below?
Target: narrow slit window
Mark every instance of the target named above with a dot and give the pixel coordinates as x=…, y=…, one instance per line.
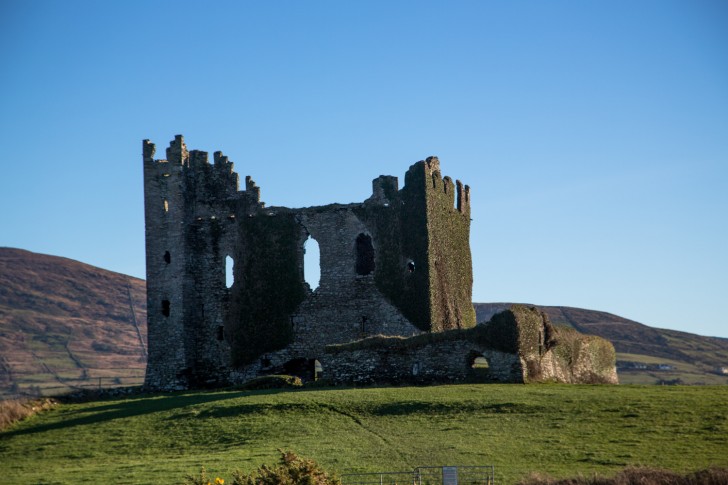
x=229, y=275
x=167, y=257
x=165, y=308
x=165, y=204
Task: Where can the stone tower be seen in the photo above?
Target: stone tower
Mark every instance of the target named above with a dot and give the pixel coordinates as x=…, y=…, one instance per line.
x=396, y=264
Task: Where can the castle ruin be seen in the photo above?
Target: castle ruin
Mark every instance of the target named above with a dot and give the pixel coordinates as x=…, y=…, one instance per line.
x=396, y=265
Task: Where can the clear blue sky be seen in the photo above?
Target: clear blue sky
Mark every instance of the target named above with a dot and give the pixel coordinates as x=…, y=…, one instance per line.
x=594, y=135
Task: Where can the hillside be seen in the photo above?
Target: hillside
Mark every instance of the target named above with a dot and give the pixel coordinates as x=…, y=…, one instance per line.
x=641, y=350
x=65, y=325
x=561, y=430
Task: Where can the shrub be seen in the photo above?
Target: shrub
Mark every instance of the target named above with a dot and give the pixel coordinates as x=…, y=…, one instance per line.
x=292, y=470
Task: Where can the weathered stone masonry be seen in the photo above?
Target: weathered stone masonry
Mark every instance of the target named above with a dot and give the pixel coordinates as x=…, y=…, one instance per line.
x=397, y=264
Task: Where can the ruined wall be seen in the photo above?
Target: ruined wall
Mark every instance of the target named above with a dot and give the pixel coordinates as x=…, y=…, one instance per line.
x=448, y=259
x=519, y=345
x=418, y=361
x=388, y=266
x=423, y=232
x=577, y=358
x=190, y=212
x=268, y=284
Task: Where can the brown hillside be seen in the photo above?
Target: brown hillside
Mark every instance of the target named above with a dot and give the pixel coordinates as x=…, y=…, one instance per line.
x=66, y=324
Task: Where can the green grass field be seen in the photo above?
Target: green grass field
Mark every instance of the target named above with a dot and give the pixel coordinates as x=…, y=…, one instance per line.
x=561, y=430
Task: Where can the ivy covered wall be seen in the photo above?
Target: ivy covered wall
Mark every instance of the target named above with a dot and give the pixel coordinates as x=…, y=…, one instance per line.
x=268, y=284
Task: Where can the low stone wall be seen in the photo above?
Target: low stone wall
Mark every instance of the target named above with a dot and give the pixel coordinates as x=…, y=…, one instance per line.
x=517, y=345
x=419, y=363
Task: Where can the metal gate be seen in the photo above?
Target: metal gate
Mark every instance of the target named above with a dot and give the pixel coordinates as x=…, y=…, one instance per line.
x=455, y=475
x=426, y=475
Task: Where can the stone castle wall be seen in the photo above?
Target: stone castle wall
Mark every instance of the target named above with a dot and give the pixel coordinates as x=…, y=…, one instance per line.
x=517, y=346
x=395, y=264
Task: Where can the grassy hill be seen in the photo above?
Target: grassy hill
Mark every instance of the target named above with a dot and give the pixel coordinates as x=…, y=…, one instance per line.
x=694, y=359
x=561, y=430
x=66, y=325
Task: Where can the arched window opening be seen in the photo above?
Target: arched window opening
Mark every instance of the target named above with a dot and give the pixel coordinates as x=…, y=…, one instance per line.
x=165, y=308
x=410, y=266
x=220, y=333
x=305, y=369
x=364, y=255
x=311, y=263
x=167, y=257
x=480, y=363
x=229, y=276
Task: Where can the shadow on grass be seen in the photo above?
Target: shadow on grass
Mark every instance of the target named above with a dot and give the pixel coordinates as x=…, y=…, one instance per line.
x=435, y=408
x=137, y=406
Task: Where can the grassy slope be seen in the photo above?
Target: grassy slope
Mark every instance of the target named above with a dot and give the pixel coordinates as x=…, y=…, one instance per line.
x=558, y=429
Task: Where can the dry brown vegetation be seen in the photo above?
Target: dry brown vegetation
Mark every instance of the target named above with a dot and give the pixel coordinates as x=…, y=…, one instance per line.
x=14, y=410
x=639, y=476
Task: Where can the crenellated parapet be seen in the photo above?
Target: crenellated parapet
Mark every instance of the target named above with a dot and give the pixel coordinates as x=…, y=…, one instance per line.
x=177, y=151
x=252, y=189
x=463, y=198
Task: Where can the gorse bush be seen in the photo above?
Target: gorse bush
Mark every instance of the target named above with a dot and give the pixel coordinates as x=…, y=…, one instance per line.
x=292, y=470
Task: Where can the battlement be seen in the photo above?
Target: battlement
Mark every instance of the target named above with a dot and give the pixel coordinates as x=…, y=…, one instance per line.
x=177, y=151
x=148, y=150
x=426, y=173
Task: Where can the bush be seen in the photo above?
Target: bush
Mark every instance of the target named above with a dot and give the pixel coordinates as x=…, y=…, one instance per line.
x=271, y=382
x=292, y=470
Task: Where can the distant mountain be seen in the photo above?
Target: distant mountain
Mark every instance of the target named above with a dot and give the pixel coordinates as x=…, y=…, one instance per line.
x=645, y=354
x=66, y=325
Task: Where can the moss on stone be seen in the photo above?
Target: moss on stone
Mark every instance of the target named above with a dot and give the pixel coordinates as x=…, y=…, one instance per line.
x=270, y=286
